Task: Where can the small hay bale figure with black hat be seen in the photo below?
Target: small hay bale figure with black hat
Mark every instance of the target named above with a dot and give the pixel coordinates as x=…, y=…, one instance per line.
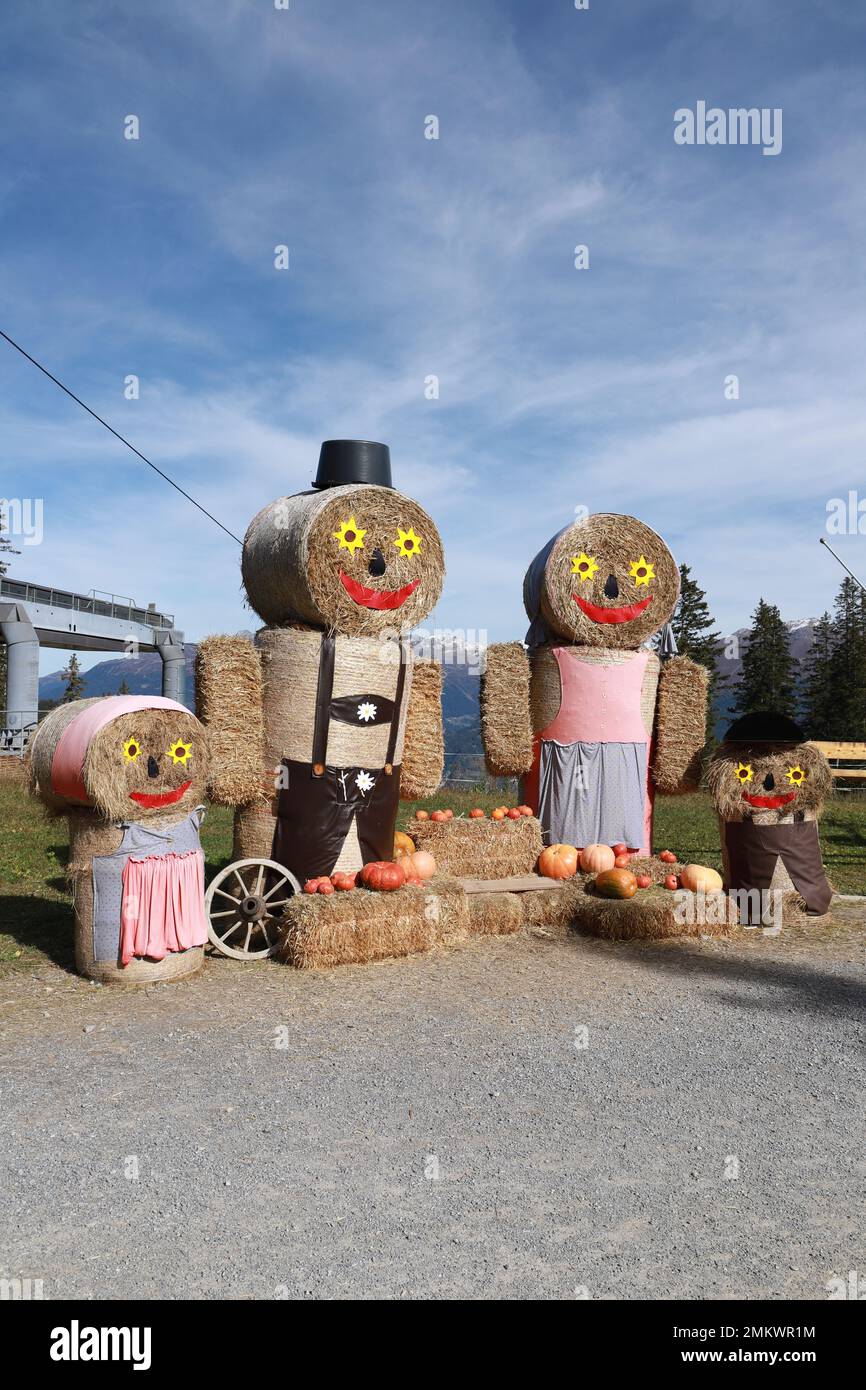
x=329, y=700
x=129, y=773
x=591, y=717
x=768, y=786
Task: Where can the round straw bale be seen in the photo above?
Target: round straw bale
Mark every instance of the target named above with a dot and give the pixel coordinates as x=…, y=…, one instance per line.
x=611, y=563
x=89, y=836
x=778, y=764
x=315, y=556
x=118, y=765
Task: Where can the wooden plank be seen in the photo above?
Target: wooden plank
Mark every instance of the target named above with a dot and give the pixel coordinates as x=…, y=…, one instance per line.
x=842, y=750
x=522, y=883
x=848, y=771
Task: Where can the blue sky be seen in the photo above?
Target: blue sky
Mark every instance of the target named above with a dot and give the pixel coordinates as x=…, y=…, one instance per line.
x=409, y=257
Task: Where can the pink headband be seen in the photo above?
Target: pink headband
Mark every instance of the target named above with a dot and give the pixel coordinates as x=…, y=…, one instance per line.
x=67, y=765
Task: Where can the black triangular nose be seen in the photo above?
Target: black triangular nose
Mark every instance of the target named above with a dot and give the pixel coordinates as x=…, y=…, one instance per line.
x=769, y=782
x=611, y=588
x=377, y=563
x=152, y=767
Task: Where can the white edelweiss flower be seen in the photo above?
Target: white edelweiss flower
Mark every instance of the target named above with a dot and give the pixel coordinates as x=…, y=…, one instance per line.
x=367, y=710
x=364, y=782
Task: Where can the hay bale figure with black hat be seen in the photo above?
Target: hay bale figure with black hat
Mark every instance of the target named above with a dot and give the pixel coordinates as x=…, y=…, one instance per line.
x=768, y=786
x=594, y=721
x=129, y=773
x=324, y=723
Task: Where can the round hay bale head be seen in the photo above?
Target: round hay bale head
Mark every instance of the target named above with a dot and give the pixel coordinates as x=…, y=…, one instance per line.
x=605, y=581
x=128, y=757
x=743, y=775
x=358, y=560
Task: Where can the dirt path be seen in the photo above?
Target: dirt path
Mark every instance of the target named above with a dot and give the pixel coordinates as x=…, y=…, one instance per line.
x=436, y=1127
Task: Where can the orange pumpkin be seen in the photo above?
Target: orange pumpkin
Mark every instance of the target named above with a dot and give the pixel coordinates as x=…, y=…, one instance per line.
x=595, y=859
x=420, y=865
x=403, y=844
x=382, y=876
x=699, y=879
x=558, y=861
x=616, y=883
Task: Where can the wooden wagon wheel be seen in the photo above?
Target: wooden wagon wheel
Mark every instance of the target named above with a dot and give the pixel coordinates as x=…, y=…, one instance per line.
x=243, y=903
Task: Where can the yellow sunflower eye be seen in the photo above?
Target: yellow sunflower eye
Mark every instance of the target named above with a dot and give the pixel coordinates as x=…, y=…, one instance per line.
x=641, y=571
x=583, y=566
x=796, y=776
x=180, y=752
x=744, y=772
x=407, y=542
x=350, y=535
x=131, y=750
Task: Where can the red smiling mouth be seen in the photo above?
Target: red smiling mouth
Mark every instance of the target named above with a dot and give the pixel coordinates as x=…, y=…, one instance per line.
x=769, y=803
x=611, y=615
x=376, y=598
x=160, y=798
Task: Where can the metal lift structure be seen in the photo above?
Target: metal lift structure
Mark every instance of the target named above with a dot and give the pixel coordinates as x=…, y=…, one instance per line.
x=32, y=615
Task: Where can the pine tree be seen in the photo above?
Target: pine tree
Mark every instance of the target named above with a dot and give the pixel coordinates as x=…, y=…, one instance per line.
x=74, y=680
x=123, y=688
x=692, y=626
x=766, y=678
x=818, y=700
x=848, y=663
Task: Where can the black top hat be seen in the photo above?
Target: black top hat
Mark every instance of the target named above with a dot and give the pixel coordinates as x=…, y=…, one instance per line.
x=344, y=461
x=765, y=726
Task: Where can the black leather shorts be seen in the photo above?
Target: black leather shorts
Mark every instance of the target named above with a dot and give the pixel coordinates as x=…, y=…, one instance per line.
x=315, y=814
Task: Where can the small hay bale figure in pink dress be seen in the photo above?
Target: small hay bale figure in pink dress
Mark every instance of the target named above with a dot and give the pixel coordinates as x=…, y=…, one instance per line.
x=590, y=716
x=129, y=773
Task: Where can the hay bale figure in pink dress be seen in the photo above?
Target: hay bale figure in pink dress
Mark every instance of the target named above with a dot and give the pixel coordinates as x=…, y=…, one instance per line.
x=590, y=717
x=129, y=773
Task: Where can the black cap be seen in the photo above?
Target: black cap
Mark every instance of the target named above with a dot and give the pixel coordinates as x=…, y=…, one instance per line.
x=765, y=726
x=344, y=461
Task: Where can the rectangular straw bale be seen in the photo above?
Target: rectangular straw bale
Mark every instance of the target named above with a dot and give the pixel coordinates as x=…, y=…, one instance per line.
x=228, y=692
x=354, y=928
x=481, y=848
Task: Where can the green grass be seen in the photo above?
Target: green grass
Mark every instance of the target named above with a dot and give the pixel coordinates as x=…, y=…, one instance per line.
x=36, y=912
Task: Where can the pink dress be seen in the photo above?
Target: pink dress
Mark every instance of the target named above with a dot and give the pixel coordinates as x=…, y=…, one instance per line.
x=590, y=782
x=163, y=905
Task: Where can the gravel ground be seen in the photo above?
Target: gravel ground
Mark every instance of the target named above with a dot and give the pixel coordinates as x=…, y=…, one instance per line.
x=436, y=1128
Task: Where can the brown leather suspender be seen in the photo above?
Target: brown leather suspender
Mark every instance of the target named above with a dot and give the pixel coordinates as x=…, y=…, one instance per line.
x=395, y=717
x=324, y=690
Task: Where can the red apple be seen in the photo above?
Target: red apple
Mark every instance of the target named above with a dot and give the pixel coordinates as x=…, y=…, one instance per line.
x=513, y=814
x=644, y=881
x=476, y=814
x=439, y=817
x=422, y=815
x=671, y=881
x=498, y=814
x=668, y=857
x=620, y=848
x=526, y=810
